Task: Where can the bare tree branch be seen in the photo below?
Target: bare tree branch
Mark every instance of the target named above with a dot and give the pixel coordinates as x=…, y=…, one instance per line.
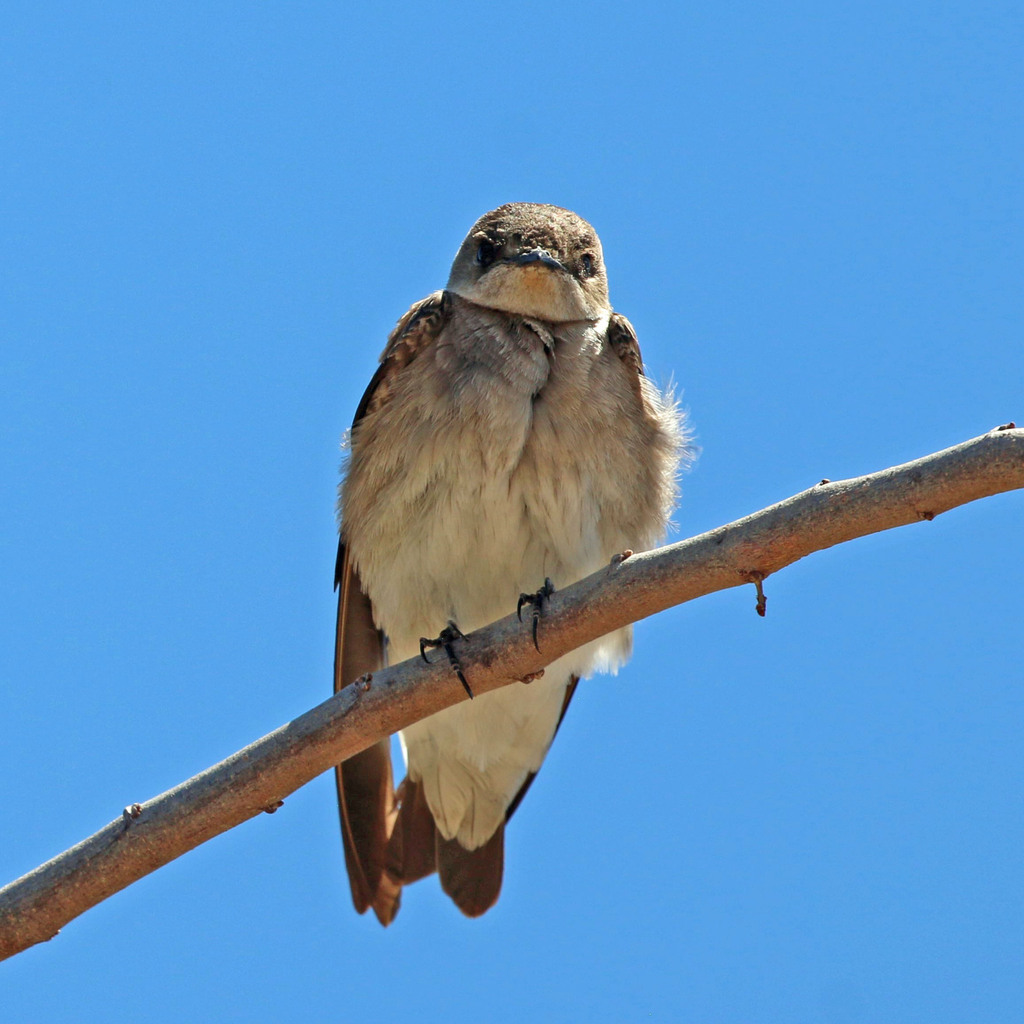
x=258, y=778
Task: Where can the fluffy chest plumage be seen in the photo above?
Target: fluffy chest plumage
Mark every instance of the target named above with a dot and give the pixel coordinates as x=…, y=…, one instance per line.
x=497, y=462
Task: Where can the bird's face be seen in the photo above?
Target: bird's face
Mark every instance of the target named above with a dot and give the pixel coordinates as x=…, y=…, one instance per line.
x=535, y=261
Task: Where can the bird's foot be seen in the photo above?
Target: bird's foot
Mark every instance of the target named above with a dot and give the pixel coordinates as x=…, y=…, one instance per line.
x=445, y=639
x=536, y=601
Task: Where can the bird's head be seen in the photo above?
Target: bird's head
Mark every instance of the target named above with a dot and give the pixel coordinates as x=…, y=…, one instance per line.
x=533, y=260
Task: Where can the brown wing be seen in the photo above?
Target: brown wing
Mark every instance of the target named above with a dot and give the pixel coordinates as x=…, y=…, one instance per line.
x=415, y=331
x=366, y=794
x=623, y=341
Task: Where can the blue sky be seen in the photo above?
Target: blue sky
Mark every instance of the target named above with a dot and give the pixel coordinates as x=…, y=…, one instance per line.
x=211, y=217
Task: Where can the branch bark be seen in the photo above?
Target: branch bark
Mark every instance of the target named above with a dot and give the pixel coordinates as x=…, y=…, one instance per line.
x=258, y=778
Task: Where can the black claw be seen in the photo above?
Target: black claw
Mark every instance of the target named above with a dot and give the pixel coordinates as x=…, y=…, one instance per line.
x=458, y=672
x=444, y=640
x=537, y=602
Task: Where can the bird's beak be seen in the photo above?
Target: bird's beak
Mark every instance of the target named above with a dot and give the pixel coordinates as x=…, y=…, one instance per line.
x=537, y=256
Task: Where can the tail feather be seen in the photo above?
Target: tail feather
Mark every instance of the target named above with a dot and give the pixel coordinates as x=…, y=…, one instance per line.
x=472, y=878
x=411, y=853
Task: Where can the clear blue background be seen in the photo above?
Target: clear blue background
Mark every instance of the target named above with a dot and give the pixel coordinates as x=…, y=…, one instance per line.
x=212, y=214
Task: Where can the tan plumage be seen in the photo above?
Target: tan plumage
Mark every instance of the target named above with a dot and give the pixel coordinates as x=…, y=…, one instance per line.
x=509, y=434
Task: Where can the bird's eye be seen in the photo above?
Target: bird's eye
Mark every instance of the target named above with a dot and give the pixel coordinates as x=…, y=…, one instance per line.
x=587, y=265
x=485, y=254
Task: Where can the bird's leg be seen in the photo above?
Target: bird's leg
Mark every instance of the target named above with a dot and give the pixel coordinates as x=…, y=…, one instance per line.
x=445, y=639
x=537, y=601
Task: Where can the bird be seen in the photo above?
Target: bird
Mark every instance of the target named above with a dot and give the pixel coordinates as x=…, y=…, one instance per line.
x=509, y=438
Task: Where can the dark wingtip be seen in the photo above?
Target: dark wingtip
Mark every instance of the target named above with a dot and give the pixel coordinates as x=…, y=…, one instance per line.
x=339, y=564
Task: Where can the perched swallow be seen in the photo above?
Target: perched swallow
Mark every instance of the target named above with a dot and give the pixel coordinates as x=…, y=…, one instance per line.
x=508, y=437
